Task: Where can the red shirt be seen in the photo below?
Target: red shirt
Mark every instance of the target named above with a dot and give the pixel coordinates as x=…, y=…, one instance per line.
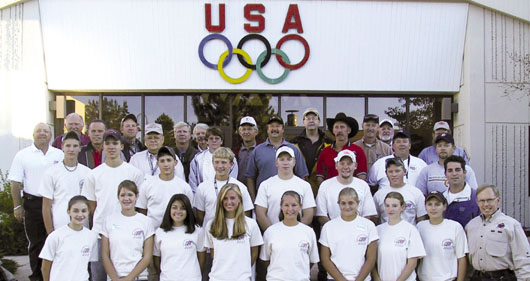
x=97, y=158
x=326, y=161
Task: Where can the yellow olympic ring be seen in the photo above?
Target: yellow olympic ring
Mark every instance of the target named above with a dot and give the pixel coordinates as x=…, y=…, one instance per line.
x=228, y=78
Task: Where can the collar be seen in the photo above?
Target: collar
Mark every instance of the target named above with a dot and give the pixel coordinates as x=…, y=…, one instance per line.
x=267, y=142
x=464, y=195
x=370, y=144
x=304, y=134
x=497, y=213
x=243, y=147
x=34, y=148
x=344, y=147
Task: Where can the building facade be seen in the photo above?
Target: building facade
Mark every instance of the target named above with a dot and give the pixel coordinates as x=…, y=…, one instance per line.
x=415, y=62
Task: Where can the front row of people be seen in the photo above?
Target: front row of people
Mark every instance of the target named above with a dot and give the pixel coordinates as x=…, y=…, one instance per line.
x=352, y=247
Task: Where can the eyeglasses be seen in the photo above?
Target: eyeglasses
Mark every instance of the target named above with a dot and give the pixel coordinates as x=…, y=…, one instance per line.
x=489, y=201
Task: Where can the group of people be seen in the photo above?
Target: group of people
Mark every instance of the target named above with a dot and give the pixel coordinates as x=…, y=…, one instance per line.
x=201, y=211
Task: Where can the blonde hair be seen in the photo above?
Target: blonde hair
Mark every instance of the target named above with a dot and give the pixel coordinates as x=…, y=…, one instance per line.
x=296, y=196
x=224, y=153
x=348, y=191
x=486, y=186
x=218, y=229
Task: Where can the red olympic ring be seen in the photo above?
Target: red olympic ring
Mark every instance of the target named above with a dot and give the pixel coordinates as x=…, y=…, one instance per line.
x=304, y=59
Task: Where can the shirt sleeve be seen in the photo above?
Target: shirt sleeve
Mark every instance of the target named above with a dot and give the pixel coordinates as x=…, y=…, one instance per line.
x=324, y=236
x=194, y=170
x=313, y=251
x=46, y=186
x=156, y=247
x=520, y=252
x=94, y=254
x=369, y=208
x=265, y=252
x=149, y=229
x=104, y=230
x=300, y=168
x=372, y=174
x=198, y=199
x=89, y=187
x=142, y=197
x=247, y=201
x=50, y=247
x=415, y=249
x=421, y=181
x=255, y=234
x=460, y=242
x=420, y=206
x=251, y=171
x=16, y=172
x=261, y=197
x=470, y=177
x=309, y=200
x=234, y=170
x=372, y=233
x=208, y=238
x=200, y=239
x=321, y=202
x=423, y=154
x=139, y=177
x=189, y=193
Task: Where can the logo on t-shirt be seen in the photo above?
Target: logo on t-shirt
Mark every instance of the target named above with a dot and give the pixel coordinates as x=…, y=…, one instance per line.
x=85, y=251
x=81, y=183
x=448, y=244
x=304, y=246
x=362, y=239
x=400, y=242
x=188, y=244
x=138, y=233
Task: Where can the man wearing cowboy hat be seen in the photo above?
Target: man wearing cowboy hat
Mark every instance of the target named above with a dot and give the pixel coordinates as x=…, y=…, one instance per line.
x=343, y=128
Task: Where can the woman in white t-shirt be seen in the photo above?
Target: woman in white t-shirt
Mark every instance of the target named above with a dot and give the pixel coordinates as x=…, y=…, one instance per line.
x=445, y=243
x=127, y=238
x=290, y=247
x=233, y=238
x=68, y=249
x=348, y=242
x=399, y=246
x=179, y=242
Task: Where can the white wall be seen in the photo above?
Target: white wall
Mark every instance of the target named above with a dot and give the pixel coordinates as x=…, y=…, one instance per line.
x=23, y=94
x=493, y=121
x=153, y=45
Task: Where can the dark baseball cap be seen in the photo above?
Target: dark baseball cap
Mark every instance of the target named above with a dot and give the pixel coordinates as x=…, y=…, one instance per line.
x=275, y=118
x=129, y=116
x=371, y=117
x=403, y=134
x=438, y=195
x=445, y=137
x=166, y=150
x=111, y=133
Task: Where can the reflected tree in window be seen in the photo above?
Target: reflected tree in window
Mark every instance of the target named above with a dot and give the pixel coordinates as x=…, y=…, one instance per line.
x=112, y=111
x=167, y=126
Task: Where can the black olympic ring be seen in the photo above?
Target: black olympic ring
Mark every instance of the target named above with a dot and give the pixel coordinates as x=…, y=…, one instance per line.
x=260, y=38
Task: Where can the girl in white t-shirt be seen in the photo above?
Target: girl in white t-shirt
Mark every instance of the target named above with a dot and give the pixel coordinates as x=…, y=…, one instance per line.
x=445, y=243
x=290, y=247
x=349, y=242
x=233, y=238
x=68, y=249
x=179, y=242
x=399, y=246
x=127, y=238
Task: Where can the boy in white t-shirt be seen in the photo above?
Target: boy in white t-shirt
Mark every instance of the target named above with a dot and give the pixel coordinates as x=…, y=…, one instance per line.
x=271, y=190
x=157, y=190
x=101, y=187
x=61, y=182
x=205, y=199
x=414, y=199
x=328, y=192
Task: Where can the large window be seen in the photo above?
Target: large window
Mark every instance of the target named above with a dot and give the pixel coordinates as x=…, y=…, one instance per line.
x=414, y=113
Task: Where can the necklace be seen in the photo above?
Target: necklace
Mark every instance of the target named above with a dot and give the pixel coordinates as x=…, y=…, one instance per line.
x=70, y=169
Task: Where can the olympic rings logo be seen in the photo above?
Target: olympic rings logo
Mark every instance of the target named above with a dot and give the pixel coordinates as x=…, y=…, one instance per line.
x=246, y=61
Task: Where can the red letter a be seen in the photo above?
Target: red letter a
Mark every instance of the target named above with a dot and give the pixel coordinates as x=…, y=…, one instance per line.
x=208, y=15
x=297, y=23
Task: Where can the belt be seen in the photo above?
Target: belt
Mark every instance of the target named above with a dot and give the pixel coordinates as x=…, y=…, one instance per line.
x=494, y=274
x=30, y=197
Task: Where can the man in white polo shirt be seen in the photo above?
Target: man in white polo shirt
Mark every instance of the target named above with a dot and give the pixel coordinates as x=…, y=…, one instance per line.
x=271, y=190
x=146, y=160
x=328, y=192
x=413, y=165
x=61, y=182
x=27, y=169
x=101, y=190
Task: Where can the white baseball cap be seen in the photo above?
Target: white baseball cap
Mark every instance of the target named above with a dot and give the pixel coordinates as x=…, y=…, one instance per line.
x=285, y=149
x=311, y=110
x=346, y=153
x=387, y=121
x=248, y=120
x=153, y=128
x=441, y=125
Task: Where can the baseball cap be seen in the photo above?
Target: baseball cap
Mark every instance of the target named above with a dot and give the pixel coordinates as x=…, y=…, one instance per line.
x=345, y=153
x=438, y=195
x=311, y=110
x=285, y=149
x=387, y=121
x=129, y=116
x=248, y=120
x=441, y=125
x=371, y=117
x=153, y=128
x=401, y=134
x=111, y=133
x=445, y=137
x=71, y=135
x=166, y=150
x=275, y=118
